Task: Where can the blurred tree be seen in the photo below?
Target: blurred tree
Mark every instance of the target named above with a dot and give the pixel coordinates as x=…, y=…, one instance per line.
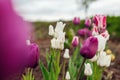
x=84, y=4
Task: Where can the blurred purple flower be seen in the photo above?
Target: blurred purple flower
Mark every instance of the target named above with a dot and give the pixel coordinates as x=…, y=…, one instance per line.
x=87, y=22
x=15, y=54
x=75, y=41
x=85, y=32
x=89, y=47
x=76, y=21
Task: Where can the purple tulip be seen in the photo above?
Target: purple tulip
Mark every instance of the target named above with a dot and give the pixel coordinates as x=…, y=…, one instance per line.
x=89, y=47
x=76, y=21
x=75, y=41
x=15, y=54
x=87, y=22
x=85, y=32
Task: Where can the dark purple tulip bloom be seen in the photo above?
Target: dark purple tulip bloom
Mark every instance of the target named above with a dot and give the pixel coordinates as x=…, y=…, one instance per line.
x=15, y=55
x=89, y=47
x=85, y=32
x=75, y=41
x=87, y=22
x=76, y=21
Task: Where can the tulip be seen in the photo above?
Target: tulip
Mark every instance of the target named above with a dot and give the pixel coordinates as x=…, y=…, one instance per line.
x=15, y=54
x=75, y=41
x=101, y=42
x=66, y=54
x=51, y=30
x=67, y=77
x=103, y=59
x=34, y=48
x=89, y=47
x=76, y=21
x=85, y=32
x=100, y=22
x=88, y=69
x=87, y=22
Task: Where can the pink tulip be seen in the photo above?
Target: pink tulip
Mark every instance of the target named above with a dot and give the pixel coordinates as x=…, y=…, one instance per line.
x=76, y=20
x=100, y=22
x=89, y=47
x=15, y=54
x=87, y=22
x=75, y=41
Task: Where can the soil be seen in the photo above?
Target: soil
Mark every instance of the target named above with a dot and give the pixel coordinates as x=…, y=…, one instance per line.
x=113, y=71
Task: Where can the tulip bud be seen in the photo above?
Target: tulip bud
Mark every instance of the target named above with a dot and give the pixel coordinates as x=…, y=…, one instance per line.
x=88, y=69
x=51, y=30
x=87, y=22
x=66, y=54
x=103, y=59
x=75, y=41
x=34, y=54
x=76, y=21
x=85, y=32
x=89, y=47
x=67, y=77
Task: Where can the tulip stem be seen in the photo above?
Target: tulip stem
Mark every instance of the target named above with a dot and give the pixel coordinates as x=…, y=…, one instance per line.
x=80, y=70
x=64, y=63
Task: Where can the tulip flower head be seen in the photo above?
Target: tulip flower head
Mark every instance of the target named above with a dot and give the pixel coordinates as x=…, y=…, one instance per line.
x=75, y=41
x=58, y=36
x=88, y=69
x=103, y=59
x=87, y=22
x=89, y=47
x=67, y=77
x=51, y=30
x=66, y=54
x=76, y=21
x=100, y=22
x=85, y=32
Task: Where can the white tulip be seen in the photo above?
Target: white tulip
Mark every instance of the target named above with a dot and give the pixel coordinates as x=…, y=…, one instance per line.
x=103, y=59
x=93, y=59
x=66, y=54
x=88, y=69
x=54, y=43
x=59, y=27
x=51, y=30
x=101, y=42
x=67, y=77
x=61, y=37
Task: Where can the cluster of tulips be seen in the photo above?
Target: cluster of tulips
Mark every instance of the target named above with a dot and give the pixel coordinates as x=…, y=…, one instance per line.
x=89, y=58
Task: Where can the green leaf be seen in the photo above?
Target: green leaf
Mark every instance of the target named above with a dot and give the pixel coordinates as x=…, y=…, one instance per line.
x=44, y=71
